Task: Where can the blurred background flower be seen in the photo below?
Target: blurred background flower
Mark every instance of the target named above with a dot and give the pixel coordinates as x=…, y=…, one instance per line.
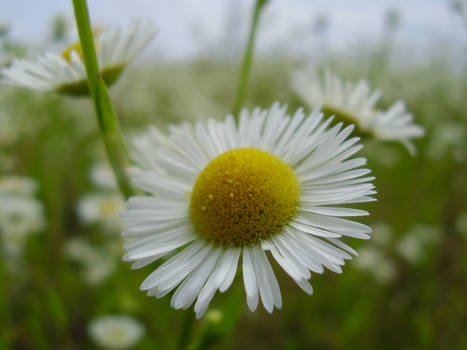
x=20, y=213
x=116, y=332
x=66, y=73
x=102, y=209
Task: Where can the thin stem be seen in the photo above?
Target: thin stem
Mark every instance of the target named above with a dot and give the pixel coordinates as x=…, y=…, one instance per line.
x=186, y=332
x=4, y=311
x=247, y=59
x=108, y=122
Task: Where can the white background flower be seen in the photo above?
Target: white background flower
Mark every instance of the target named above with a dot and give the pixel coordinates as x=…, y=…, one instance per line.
x=355, y=102
x=66, y=73
x=116, y=332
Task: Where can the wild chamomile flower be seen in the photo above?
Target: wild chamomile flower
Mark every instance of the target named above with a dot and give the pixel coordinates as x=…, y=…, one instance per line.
x=18, y=185
x=20, y=216
x=102, y=176
x=116, y=332
x=376, y=263
x=414, y=245
x=220, y=191
x=356, y=103
x=66, y=73
x=98, y=265
x=101, y=208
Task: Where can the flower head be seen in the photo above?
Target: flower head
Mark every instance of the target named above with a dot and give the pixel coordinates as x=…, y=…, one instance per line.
x=18, y=185
x=116, y=332
x=375, y=262
x=415, y=243
x=220, y=191
x=66, y=73
x=20, y=216
x=356, y=103
x=101, y=208
x=97, y=264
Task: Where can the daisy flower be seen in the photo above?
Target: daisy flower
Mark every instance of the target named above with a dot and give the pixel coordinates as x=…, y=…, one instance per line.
x=355, y=102
x=66, y=73
x=98, y=265
x=375, y=262
x=101, y=208
x=18, y=185
x=220, y=192
x=20, y=216
x=116, y=332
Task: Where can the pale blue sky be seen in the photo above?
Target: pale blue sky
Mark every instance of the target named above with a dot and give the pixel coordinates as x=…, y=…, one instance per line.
x=186, y=26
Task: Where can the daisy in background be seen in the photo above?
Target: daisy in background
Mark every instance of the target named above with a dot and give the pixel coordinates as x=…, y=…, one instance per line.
x=98, y=265
x=355, y=103
x=18, y=185
x=116, y=332
x=219, y=193
x=415, y=244
x=102, y=176
x=374, y=259
x=101, y=208
x=21, y=214
x=66, y=73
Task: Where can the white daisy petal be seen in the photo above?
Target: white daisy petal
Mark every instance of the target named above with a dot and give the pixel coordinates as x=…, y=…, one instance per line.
x=225, y=264
x=267, y=283
x=189, y=289
x=249, y=279
x=183, y=257
x=305, y=285
x=230, y=275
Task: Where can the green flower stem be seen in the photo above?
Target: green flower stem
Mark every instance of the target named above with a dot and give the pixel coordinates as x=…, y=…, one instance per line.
x=247, y=59
x=4, y=310
x=108, y=122
x=186, y=331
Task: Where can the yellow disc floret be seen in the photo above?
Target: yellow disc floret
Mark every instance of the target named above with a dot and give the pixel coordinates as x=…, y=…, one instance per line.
x=66, y=54
x=243, y=197
x=110, y=74
x=75, y=47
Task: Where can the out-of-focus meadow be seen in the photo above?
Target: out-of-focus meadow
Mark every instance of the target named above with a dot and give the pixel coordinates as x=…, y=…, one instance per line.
x=61, y=250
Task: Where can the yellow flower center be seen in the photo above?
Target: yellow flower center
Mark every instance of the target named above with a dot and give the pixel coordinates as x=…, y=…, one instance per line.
x=74, y=47
x=243, y=197
x=66, y=54
x=109, y=207
x=110, y=74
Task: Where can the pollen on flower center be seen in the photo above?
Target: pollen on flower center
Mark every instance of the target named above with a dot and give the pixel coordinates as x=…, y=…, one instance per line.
x=74, y=47
x=66, y=54
x=242, y=197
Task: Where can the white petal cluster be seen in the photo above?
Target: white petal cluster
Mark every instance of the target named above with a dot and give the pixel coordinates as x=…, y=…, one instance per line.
x=52, y=72
x=18, y=185
x=101, y=208
x=373, y=258
x=413, y=245
x=357, y=101
x=116, y=332
x=330, y=179
x=21, y=214
x=97, y=264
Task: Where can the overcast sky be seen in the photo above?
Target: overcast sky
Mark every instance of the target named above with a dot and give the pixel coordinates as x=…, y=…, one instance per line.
x=188, y=26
